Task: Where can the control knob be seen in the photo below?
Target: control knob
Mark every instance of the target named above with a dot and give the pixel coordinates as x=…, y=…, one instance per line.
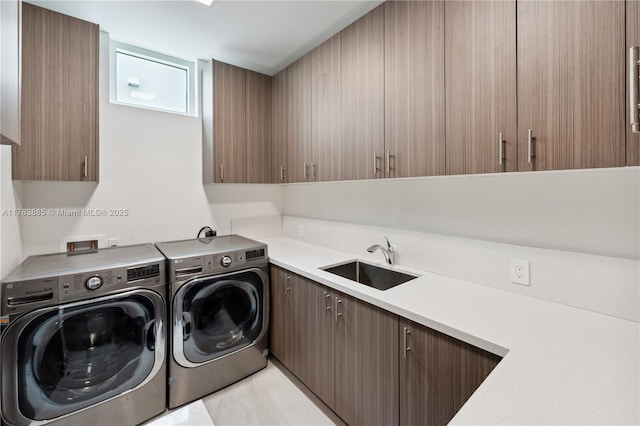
x=225, y=261
x=93, y=283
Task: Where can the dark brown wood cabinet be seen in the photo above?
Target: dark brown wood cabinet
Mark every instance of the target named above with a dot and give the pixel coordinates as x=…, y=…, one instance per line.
x=362, y=96
x=59, y=129
x=633, y=39
x=366, y=364
x=258, y=127
x=280, y=127
x=438, y=374
x=326, y=114
x=480, y=49
x=414, y=83
x=299, y=120
x=571, y=83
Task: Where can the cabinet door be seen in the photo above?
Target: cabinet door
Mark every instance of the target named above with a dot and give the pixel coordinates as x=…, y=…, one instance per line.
x=363, y=97
x=281, y=316
x=299, y=105
x=633, y=39
x=414, y=88
x=326, y=121
x=279, y=130
x=229, y=107
x=480, y=54
x=571, y=81
x=59, y=98
x=10, y=48
x=318, y=353
x=438, y=374
x=258, y=127
x=366, y=363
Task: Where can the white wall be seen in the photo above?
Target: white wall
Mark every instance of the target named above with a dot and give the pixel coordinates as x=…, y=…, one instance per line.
x=10, y=237
x=593, y=211
x=150, y=164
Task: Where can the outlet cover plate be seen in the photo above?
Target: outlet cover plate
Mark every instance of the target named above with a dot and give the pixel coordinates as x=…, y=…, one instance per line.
x=520, y=271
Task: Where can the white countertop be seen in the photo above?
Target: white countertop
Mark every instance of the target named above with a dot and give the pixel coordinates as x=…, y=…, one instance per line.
x=561, y=365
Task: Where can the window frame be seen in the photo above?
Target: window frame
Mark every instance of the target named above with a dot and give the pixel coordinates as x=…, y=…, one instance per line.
x=139, y=52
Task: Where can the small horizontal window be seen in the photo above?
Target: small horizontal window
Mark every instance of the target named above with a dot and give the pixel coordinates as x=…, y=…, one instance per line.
x=151, y=80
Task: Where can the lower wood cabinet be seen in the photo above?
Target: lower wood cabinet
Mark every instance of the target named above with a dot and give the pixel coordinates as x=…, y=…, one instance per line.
x=369, y=366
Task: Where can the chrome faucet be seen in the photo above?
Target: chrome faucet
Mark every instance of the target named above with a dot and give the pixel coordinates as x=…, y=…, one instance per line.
x=388, y=251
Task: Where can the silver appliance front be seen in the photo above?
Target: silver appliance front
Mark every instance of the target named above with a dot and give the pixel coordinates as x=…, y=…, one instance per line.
x=219, y=332
x=86, y=362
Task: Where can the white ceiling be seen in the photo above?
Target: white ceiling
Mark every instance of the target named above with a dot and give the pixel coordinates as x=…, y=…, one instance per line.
x=263, y=36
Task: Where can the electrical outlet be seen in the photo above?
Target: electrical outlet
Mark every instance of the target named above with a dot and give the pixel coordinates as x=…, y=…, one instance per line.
x=301, y=231
x=520, y=271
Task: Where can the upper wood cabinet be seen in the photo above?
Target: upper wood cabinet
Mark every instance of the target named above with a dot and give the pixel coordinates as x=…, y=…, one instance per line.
x=326, y=114
x=258, y=127
x=414, y=107
x=480, y=49
x=571, y=83
x=10, y=64
x=299, y=160
x=59, y=98
x=362, y=142
x=633, y=39
x=236, y=121
x=280, y=127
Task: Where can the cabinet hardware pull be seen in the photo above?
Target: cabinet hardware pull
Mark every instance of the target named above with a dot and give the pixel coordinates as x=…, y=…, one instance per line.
x=530, y=153
x=281, y=173
x=314, y=171
x=338, y=314
x=407, y=332
x=86, y=166
x=327, y=302
x=634, y=94
x=376, y=169
x=287, y=278
x=221, y=172
x=501, y=156
x=305, y=171
x=388, y=161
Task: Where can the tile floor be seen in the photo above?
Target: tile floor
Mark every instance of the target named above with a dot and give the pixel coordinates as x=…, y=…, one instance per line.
x=269, y=397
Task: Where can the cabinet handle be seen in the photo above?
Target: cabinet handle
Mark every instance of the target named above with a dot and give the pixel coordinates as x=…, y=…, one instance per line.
x=305, y=171
x=530, y=153
x=287, y=289
x=338, y=314
x=327, y=302
x=407, y=332
x=376, y=169
x=388, y=161
x=634, y=95
x=221, y=172
x=501, y=156
x=314, y=171
x=281, y=173
x=86, y=166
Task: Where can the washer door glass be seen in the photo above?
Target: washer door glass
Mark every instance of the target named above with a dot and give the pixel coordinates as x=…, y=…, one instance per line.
x=71, y=358
x=221, y=315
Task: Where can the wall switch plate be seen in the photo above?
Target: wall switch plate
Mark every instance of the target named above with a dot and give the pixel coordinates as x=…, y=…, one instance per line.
x=301, y=231
x=520, y=271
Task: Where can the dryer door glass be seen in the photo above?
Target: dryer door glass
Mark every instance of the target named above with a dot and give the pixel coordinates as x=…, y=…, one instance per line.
x=221, y=315
x=72, y=357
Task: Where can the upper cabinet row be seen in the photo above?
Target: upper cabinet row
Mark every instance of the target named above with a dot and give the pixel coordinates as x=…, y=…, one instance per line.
x=433, y=88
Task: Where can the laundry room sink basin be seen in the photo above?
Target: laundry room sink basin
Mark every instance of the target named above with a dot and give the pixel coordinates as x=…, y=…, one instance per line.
x=370, y=275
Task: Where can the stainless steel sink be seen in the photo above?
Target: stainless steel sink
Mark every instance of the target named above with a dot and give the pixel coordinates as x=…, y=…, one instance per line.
x=369, y=274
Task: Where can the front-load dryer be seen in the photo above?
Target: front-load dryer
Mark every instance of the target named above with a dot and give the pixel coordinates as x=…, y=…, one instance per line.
x=219, y=313
x=83, y=338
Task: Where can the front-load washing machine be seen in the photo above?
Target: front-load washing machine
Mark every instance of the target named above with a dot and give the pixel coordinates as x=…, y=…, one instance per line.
x=219, y=313
x=83, y=338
